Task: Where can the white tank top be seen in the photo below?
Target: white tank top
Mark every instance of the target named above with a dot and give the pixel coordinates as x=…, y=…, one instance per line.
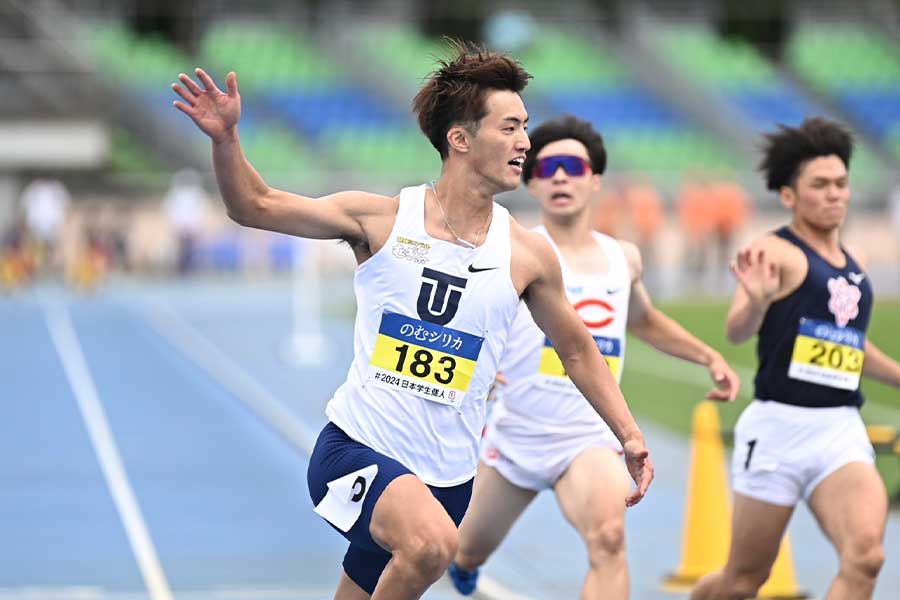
x=431, y=324
x=538, y=388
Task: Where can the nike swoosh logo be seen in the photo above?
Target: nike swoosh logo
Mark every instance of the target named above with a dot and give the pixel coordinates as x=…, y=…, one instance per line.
x=612, y=291
x=473, y=269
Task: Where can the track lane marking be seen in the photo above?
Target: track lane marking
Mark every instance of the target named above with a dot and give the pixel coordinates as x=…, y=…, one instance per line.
x=70, y=352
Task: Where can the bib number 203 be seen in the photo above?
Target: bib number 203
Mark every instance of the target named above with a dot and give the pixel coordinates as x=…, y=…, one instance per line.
x=420, y=365
x=836, y=358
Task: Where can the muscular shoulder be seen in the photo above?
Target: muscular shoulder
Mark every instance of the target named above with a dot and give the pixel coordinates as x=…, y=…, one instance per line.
x=375, y=214
x=790, y=261
x=532, y=256
x=632, y=259
x=784, y=253
x=858, y=254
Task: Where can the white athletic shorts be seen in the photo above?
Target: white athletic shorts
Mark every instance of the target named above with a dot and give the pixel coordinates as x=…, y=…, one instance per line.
x=782, y=452
x=529, y=456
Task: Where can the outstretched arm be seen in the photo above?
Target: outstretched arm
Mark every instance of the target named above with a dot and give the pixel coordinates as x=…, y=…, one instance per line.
x=249, y=200
x=546, y=299
x=663, y=333
x=880, y=366
x=666, y=335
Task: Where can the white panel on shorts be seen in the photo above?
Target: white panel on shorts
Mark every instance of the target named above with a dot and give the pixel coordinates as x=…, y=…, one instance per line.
x=343, y=503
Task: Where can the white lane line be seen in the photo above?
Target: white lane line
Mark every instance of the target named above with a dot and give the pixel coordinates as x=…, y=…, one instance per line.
x=491, y=589
x=70, y=353
x=487, y=588
x=233, y=376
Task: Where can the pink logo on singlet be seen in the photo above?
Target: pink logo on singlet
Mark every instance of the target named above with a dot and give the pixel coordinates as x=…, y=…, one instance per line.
x=844, y=300
x=492, y=453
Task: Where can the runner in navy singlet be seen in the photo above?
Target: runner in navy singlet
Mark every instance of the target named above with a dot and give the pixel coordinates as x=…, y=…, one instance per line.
x=809, y=299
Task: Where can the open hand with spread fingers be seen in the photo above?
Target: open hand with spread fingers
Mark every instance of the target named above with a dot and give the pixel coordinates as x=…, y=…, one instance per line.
x=215, y=113
x=757, y=274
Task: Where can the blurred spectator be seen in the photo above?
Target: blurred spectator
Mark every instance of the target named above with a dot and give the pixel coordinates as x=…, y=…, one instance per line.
x=92, y=264
x=697, y=217
x=609, y=212
x=152, y=248
x=45, y=202
x=16, y=258
x=647, y=216
x=894, y=208
x=185, y=207
x=731, y=209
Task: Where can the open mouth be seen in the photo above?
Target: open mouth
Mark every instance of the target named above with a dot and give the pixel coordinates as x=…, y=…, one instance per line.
x=517, y=162
x=561, y=196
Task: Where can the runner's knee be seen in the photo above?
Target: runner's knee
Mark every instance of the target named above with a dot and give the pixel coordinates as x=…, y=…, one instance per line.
x=747, y=584
x=430, y=550
x=471, y=554
x=864, y=558
x=606, y=539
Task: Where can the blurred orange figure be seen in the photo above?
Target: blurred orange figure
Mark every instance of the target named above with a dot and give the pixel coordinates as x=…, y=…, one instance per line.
x=609, y=213
x=647, y=216
x=697, y=216
x=732, y=209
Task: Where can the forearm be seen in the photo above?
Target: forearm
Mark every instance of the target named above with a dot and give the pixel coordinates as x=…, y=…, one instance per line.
x=243, y=189
x=744, y=321
x=881, y=367
x=587, y=369
x=666, y=335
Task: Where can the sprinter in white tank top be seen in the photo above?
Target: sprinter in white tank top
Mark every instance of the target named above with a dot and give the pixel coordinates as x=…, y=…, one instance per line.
x=540, y=436
x=435, y=317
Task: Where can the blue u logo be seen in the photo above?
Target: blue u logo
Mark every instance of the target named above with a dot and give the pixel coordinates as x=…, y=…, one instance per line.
x=439, y=296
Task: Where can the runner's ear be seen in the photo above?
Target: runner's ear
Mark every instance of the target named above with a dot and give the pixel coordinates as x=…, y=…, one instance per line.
x=458, y=138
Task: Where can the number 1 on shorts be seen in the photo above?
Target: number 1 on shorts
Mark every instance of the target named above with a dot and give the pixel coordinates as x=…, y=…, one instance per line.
x=750, y=445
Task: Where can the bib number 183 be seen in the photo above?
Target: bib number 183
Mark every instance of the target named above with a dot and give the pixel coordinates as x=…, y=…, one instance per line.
x=421, y=364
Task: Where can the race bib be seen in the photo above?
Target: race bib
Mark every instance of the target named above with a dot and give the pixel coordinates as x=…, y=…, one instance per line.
x=828, y=355
x=425, y=359
x=553, y=373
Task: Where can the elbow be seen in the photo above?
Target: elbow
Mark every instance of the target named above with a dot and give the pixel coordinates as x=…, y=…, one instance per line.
x=734, y=334
x=238, y=215
x=248, y=213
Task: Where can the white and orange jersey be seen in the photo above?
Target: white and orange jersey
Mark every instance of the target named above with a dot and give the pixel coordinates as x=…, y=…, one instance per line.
x=538, y=387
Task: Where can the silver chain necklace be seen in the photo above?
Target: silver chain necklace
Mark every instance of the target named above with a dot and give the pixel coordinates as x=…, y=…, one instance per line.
x=469, y=245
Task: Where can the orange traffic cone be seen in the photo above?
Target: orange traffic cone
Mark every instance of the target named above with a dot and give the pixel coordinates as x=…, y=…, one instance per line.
x=707, y=517
x=782, y=582
x=707, y=530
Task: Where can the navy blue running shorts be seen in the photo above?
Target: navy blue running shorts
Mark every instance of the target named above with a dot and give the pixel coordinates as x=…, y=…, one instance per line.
x=345, y=480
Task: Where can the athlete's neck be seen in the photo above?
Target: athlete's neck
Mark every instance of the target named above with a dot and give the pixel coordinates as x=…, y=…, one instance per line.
x=571, y=231
x=466, y=199
x=826, y=242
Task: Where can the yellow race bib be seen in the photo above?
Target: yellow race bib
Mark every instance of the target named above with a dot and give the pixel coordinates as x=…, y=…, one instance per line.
x=828, y=355
x=553, y=373
x=425, y=359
